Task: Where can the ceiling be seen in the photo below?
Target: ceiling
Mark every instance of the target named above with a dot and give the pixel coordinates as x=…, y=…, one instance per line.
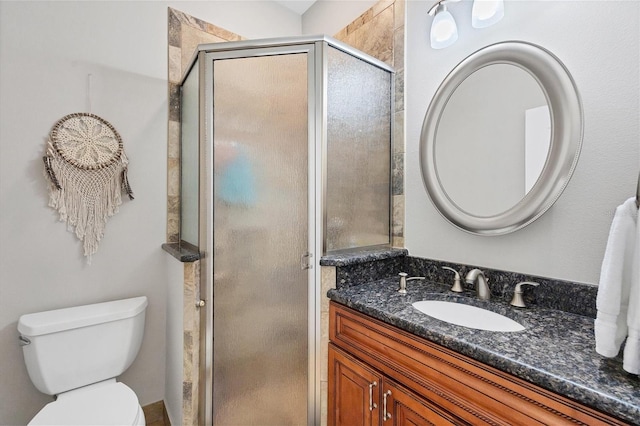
x=298, y=6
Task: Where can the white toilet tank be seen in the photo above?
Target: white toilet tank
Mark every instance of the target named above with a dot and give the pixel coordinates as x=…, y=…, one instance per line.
x=68, y=348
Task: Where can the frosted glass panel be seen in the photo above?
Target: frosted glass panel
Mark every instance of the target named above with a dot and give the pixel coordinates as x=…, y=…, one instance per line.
x=189, y=186
x=358, y=153
x=260, y=231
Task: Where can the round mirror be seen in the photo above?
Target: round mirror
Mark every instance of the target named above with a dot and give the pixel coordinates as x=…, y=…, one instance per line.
x=501, y=138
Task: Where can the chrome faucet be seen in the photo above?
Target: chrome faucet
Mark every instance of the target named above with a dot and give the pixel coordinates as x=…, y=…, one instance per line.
x=482, y=286
x=403, y=282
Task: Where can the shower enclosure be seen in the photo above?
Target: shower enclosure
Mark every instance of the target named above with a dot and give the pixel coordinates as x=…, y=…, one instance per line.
x=285, y=156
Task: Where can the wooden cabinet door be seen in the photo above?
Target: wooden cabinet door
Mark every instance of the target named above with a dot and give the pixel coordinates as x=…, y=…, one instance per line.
x=354, y=391
x=401, y=407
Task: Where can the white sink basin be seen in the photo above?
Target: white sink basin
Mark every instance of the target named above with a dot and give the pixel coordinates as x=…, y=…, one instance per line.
x=467, y=316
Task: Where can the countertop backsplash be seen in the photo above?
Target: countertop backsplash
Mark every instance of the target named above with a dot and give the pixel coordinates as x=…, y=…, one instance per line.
x=362, y=267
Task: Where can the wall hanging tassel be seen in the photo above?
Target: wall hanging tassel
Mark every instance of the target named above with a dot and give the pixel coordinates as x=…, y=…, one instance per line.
x=86, y=168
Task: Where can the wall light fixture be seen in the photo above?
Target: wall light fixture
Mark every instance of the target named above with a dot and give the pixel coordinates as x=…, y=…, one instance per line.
x=486, y=12
x=444, y=31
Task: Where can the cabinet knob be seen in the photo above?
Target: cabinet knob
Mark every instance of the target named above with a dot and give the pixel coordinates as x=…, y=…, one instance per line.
x=200, y=303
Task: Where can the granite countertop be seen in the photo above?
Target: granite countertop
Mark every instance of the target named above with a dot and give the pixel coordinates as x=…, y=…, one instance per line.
x=555, y=351
x=183, y=251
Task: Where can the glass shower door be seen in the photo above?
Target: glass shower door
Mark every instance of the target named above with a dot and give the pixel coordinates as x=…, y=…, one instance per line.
x=260, y=291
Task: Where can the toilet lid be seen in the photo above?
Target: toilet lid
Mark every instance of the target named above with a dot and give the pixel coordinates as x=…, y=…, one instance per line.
x=103, y=404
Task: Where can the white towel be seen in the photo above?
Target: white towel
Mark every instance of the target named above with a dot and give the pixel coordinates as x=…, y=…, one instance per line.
x=615, y=281
x=631, y=362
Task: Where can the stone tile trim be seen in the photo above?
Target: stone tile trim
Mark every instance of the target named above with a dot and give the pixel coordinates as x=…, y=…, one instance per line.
x=327, y=282
x=397, y=182
x=182, y=18
x=191, y=357
x=398, y=217
x=179, y=23
x=365, y=18
x=175, y=28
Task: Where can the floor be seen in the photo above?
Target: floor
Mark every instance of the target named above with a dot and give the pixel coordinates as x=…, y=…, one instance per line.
x=155, y=414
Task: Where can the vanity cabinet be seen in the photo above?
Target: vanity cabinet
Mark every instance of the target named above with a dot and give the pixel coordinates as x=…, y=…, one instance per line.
x=382, y=375
x=356, y=391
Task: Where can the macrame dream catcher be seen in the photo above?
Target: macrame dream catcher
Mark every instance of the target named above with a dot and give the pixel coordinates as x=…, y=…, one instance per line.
x=87, y=171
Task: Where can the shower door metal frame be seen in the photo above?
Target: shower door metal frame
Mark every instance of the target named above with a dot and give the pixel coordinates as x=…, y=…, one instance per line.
x=235, y=50
x=317, y=65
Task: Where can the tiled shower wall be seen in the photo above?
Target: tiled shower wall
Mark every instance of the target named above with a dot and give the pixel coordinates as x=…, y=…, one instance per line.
x=378, y=32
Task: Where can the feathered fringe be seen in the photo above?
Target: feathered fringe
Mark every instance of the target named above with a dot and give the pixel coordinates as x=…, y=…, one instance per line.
x=126, y=187
x=125, y=184
x=85, y=199
x=49, y=172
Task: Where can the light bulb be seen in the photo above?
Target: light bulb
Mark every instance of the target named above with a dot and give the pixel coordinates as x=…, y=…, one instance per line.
x=444, y=31
x=486, y=12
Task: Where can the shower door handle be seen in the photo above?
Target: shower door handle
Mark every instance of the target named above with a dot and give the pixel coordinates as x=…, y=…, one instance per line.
x=305, y=261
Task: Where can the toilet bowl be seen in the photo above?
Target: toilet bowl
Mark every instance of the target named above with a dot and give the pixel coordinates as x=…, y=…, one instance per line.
x=105, y=403
x=76, y=353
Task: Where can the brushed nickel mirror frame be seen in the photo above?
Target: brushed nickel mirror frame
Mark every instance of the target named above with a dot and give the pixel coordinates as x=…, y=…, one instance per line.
x=566, y=112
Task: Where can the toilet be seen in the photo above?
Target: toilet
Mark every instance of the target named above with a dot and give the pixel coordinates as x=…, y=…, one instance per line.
x=76, y=354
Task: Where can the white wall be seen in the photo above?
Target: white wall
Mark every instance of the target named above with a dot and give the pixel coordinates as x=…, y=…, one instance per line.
x=598, y=41
x=47, y=49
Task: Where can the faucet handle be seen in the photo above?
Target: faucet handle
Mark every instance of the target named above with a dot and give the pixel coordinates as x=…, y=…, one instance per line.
x=457, y=286
x=517, y=299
